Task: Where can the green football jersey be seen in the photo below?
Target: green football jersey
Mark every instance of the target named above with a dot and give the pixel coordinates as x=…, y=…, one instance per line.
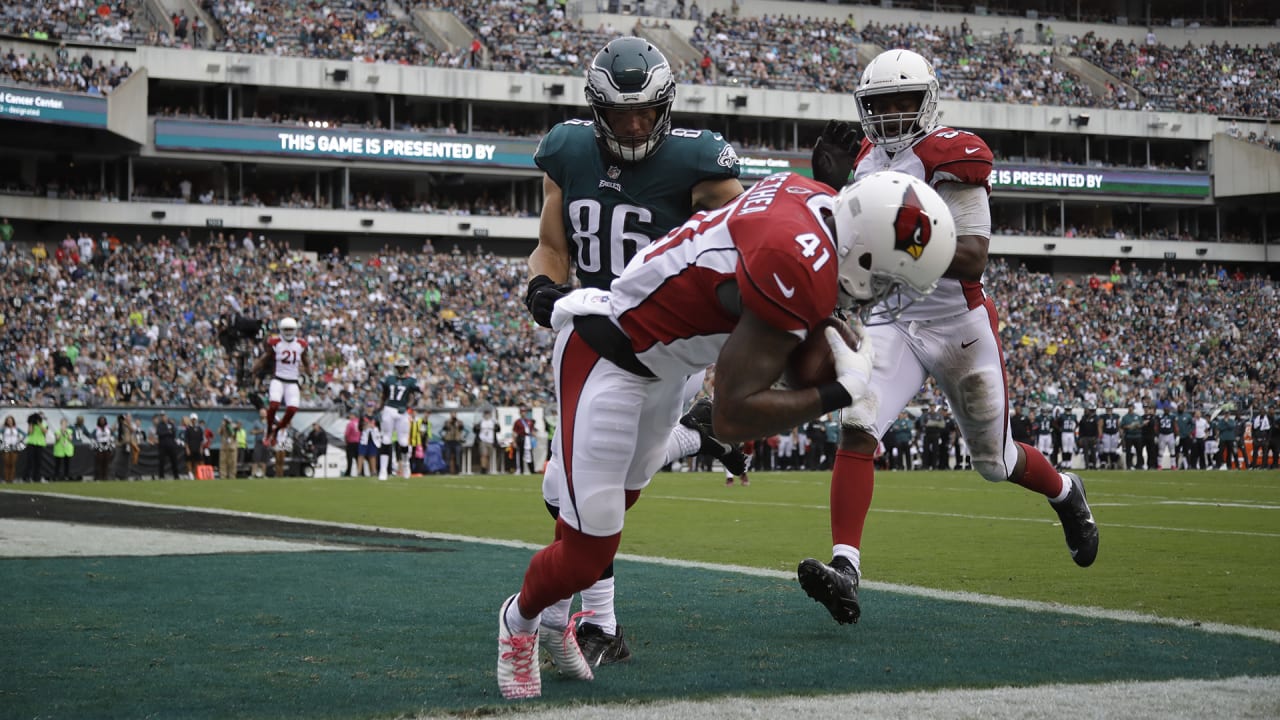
x=612, y=209
x=399, y=391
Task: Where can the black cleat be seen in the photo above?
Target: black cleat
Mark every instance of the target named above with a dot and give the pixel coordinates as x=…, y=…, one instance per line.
x=699, y=419
x=1078, y=524
x=601, y=648
x=834, y=585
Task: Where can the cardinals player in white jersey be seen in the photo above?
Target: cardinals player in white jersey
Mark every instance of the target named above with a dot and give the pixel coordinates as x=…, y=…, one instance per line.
x=949, y=335
x=286, y=354
x=739, y=287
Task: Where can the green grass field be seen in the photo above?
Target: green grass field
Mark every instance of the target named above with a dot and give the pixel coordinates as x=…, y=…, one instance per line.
x=1197, y=545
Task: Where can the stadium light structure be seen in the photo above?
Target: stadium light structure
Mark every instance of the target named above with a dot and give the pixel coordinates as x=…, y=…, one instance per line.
x=366, y=222
x=1126, y=248
x=696, y=99
x=157, y=214
x=212, y=68
x=554, y=90
x=238, y=68
x=1081, y=120
x=1050, y=247
x=738, y=101
x=802, y=106
x=515, y=87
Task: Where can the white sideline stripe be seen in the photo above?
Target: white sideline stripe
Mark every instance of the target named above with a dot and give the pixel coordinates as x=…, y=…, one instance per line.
x=1238, y=697
x=1272, y=636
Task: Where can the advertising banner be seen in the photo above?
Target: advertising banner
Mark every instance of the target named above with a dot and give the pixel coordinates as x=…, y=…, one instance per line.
x=36, y=105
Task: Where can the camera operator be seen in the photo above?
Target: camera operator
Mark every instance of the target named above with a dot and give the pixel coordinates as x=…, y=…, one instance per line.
x=228, y=449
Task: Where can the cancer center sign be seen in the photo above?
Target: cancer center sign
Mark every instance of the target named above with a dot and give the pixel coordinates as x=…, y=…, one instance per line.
x=31, y=104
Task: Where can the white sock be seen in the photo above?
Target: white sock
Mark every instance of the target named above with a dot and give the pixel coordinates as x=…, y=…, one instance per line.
x=557, y=616
x=850, y=553
x=517, y=622
x=404, y=461
x=383, y=461
x=1066, y=489
x=599, y=599
x=681, y=443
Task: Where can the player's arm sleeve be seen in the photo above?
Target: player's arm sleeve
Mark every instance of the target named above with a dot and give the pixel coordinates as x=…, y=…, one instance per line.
x=969, y=206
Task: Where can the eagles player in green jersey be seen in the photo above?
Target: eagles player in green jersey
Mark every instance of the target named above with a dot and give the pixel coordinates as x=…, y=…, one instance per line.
x=611, y=186
x=398, y=393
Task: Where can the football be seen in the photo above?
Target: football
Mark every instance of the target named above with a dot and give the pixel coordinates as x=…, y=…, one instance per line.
x=811, y=363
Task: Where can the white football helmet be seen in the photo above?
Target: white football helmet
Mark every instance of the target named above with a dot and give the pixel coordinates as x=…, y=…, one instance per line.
x=890, y=73
x=895, y=238
x=289, y=329
x=402, y=366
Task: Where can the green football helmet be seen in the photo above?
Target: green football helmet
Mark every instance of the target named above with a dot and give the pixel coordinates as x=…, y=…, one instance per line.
x=630, y=74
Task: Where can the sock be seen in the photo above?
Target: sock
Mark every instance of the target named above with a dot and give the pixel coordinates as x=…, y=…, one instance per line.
x=852, y=554
x=681, y=443
x=557, y=614
x=1039, y=476
x=404, y=461
x=384, y=459
x=599, y=599
x=271, y=418
x=852, y=483
x=518, y=622
x=289, y=412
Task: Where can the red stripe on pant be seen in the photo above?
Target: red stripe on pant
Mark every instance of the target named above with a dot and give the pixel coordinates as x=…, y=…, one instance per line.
x=576, y=363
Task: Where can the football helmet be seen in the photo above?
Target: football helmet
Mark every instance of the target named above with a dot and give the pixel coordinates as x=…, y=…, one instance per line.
x=890, y=73
x=895, y=238
x=402, y=366
x=288, y=329
x=630, y=74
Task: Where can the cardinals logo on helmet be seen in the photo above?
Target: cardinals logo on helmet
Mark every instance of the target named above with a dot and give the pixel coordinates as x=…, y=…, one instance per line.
x=911, y=225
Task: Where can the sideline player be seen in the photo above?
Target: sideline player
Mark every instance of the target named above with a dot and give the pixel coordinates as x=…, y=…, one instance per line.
x=398, y=393
x=612, y=185
x=761, y=273
x=949, y=335
x=286, y=353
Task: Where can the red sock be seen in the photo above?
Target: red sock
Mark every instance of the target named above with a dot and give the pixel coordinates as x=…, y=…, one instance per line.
x=1038, y=475
x=569, y=565
x=289, y=412
x=271, y=417
x=852, y=482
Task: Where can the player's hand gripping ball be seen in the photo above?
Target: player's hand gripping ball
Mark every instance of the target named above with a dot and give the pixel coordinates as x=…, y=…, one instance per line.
x=811, y=363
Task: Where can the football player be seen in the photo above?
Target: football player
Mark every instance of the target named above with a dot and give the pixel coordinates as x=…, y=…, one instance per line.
x=286, y=354
x=398, y=393
x=612, y=185
x=949, y=335
x=763, y=272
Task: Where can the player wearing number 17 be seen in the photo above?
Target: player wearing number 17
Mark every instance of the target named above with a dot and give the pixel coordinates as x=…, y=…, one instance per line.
x=398, y=393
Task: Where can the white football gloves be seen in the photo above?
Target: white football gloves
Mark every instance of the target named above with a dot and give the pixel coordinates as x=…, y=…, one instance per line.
x=853, y=367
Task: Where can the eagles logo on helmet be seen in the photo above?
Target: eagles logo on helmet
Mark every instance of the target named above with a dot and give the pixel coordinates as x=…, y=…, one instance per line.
x=630, y=74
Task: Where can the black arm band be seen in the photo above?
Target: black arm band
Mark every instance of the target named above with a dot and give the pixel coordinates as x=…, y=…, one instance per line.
x=833, y=397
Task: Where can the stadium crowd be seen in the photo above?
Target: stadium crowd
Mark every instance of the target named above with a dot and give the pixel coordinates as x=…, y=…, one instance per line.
x=89, y=311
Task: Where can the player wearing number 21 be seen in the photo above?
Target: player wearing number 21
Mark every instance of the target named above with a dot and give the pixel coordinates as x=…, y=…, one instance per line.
x=739, y=287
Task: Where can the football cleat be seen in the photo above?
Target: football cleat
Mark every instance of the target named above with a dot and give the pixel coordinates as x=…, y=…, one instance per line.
x=562, y=645
x=601, y=648
x=1077, y=523
x=518, y=672
x=699, y=419
x=834, y=585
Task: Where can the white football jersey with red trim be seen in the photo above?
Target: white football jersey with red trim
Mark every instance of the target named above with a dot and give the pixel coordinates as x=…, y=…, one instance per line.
x=771, y=242
x=288, y=356
x=944, y=155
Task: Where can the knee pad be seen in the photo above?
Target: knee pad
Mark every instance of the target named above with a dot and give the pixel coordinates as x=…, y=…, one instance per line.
x=991, y=471
x=601, y=513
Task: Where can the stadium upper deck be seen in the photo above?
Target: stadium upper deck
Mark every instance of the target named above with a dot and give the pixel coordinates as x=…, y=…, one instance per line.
x=1065, y=160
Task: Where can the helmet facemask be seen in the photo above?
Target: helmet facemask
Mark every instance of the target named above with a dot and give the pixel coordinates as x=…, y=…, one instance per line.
x=895, y=72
